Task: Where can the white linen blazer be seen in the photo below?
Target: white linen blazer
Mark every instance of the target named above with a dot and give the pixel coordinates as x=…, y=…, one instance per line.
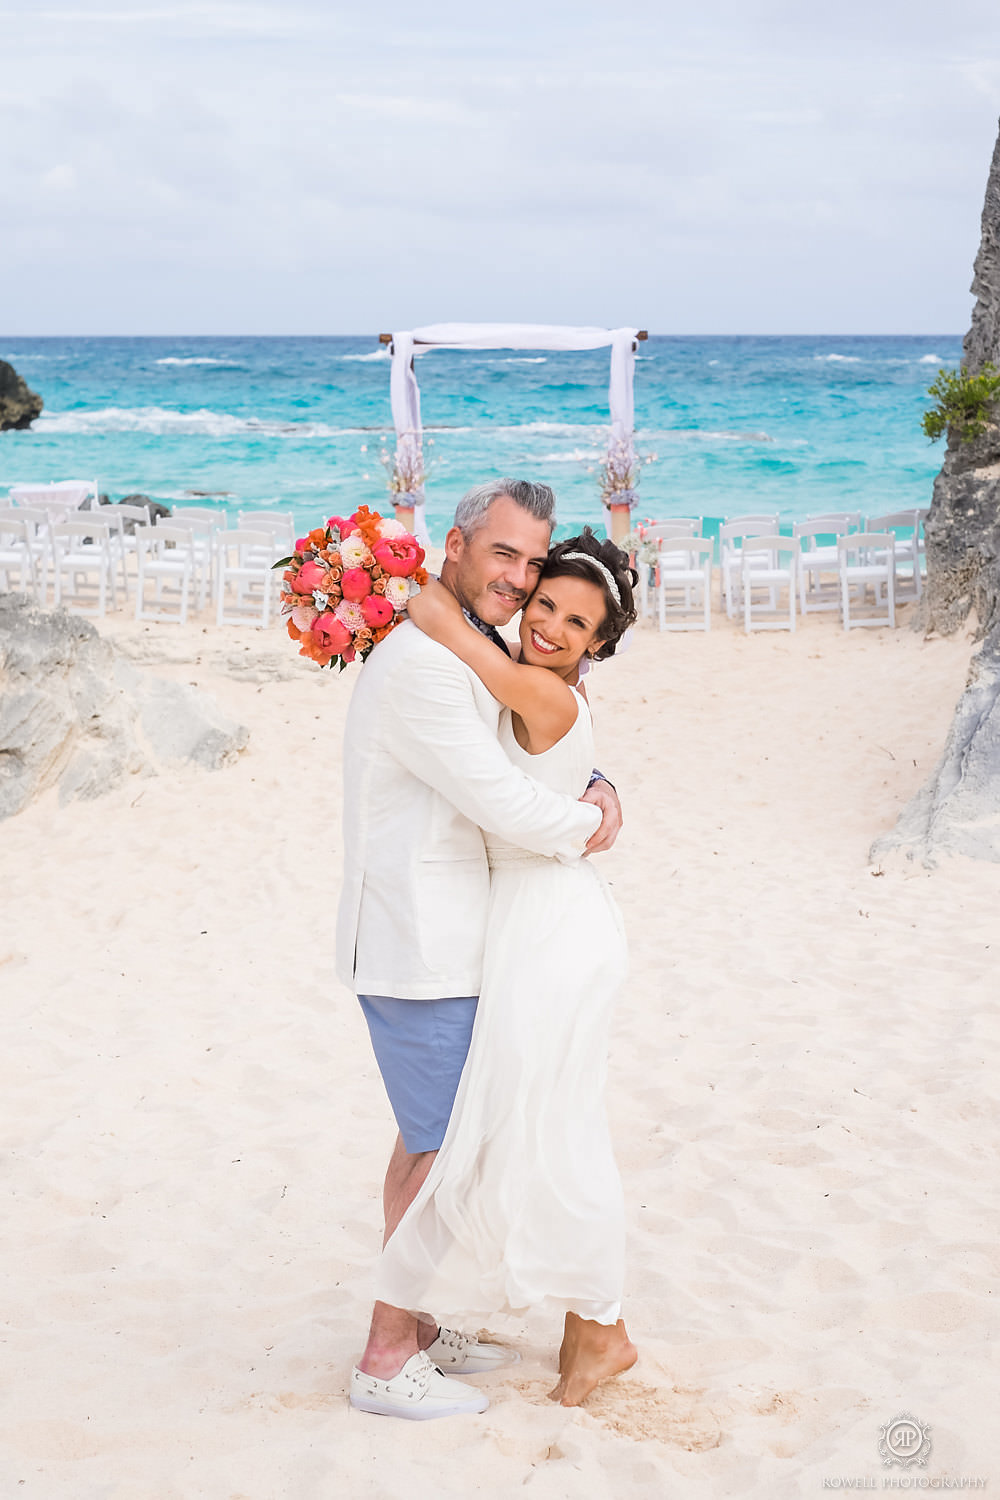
x=424, y=775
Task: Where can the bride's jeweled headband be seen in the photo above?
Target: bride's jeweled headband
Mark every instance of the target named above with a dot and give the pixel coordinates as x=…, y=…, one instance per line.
x=595, y=562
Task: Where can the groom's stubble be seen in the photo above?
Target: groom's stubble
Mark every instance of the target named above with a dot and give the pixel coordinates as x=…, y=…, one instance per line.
x=492, y=569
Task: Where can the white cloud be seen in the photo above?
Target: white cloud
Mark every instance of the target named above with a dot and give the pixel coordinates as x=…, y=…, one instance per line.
x=748, y=167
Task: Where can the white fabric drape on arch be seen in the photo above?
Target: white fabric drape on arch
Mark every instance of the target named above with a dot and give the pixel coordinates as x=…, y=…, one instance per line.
x=405, y=393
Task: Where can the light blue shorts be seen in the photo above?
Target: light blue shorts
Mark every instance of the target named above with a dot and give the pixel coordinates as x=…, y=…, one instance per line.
x=420, y=1047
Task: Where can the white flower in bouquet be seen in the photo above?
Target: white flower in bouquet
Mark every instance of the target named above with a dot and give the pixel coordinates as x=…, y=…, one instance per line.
x=389, y=528
x=353, y=551
x=303, y=616
x=350, y=614
x=397, y=591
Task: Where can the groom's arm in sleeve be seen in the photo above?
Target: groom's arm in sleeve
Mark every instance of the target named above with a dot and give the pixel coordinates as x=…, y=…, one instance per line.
x=439, y=736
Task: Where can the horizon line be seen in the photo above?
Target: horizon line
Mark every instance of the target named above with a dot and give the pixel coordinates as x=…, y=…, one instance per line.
x=883, y=334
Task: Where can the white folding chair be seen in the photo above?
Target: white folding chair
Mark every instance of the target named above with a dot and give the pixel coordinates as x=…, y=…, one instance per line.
x=731, y=535
x=819, y=557
x=164, y=557
x=15, y=552
x=764, y=574
x=647, y=553
x=867, y=561
x=245, y=577
x=203, y=536
x=37, y=524
x=905, y=527
x=281, y=524
x=684, y=583
x=201, y=513
x=78, y=551
x=111, y=517
x=124, y=521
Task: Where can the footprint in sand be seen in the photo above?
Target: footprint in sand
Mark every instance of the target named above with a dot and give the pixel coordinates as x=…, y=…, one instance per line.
x=678, y=1418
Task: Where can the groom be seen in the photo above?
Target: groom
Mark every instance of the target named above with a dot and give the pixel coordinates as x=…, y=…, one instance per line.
x=424, y=774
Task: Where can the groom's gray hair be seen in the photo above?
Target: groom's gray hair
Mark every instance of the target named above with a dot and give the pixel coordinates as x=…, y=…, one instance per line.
x=537, y=499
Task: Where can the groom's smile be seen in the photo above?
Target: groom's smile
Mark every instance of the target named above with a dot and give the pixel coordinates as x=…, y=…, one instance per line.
x=510, y=598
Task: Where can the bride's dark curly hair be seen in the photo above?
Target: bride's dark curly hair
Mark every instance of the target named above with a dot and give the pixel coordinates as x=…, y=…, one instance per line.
x=618, y=617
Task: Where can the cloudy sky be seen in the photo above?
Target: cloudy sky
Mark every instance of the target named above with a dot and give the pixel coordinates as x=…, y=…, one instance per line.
x=728, y=166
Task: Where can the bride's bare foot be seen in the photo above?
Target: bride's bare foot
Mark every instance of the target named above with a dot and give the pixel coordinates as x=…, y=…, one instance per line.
x=590, y=1352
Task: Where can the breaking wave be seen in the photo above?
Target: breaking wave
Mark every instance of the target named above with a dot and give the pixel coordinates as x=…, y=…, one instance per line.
x=196, y=359
x=161, y=421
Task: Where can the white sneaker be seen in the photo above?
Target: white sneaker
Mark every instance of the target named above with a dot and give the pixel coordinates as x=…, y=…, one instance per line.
x=419, y=1392
x=460, y=1354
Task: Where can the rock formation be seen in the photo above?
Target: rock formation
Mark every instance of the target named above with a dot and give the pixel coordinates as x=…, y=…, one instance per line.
x=963, y=527
x=74, y=713
x=154, y=509
x=958, y=811
x=19, y=406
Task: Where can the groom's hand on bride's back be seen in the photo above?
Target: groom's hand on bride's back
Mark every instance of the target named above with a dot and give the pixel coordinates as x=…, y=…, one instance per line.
x=603, y=795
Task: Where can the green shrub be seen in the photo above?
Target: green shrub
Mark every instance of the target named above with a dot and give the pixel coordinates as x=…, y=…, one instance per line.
x=962, y=402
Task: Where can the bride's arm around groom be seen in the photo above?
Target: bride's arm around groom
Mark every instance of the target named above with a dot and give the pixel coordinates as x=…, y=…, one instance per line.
x=424, y=774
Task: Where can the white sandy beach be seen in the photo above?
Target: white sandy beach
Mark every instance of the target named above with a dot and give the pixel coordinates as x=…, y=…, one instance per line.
x=802, y=1092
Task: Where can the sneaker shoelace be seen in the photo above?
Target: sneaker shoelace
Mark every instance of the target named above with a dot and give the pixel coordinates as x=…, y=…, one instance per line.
x=421, y=1376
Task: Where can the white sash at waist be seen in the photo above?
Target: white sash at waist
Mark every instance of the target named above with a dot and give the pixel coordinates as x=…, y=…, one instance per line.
x=508, y=854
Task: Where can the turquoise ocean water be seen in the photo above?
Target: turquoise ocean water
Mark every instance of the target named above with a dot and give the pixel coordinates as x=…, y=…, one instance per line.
x=794, y=425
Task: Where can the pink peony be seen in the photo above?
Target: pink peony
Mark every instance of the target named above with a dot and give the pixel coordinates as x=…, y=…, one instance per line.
x=376, y=610
x=399, y=555
x=330, y=634
x=346, y=528
x=356, y=584
x=308, y=577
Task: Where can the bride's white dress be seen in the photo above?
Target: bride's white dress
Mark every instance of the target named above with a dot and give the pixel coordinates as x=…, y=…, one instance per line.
x=523, y=1205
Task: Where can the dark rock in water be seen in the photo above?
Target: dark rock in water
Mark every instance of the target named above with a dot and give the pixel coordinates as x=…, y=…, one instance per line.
x=19, y=406
x=156, y=511
x=74, y=713
x=958, y=811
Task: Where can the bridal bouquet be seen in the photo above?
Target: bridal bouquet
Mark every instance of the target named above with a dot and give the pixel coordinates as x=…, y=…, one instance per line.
x=346, y=585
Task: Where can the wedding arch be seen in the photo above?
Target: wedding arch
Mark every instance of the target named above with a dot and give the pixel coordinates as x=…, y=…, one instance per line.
x=408, y=466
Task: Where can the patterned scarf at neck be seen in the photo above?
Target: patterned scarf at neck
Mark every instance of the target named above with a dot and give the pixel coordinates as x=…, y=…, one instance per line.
x=489, y=631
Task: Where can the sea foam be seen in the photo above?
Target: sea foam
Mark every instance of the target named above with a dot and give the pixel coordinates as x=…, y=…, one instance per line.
x=161, y=421
x=196, y=359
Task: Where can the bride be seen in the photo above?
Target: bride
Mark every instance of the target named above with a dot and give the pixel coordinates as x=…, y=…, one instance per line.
x=522, y=1207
